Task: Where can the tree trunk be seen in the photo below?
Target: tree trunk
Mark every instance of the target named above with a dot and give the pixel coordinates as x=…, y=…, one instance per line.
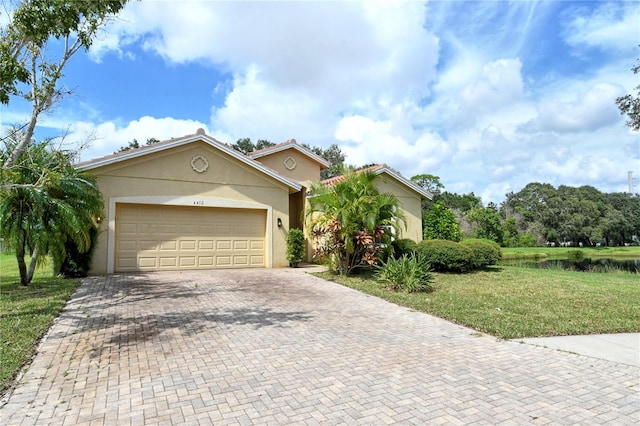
x=32, y=264
x=22, y=267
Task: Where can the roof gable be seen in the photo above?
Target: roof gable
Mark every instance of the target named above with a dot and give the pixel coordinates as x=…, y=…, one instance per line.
x=290, y=144
x=176, y=142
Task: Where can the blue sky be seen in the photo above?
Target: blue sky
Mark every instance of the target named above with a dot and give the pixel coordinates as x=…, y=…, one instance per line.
x=488, y=95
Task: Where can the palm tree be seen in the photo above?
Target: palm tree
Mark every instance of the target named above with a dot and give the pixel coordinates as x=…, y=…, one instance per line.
x=351, y=221
x=44, y=202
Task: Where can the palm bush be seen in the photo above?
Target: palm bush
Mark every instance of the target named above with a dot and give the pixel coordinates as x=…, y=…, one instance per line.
x=409, y=273
x=352, y=222
x=44, y=202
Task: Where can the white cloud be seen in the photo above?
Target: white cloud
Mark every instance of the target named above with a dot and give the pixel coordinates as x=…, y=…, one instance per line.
x=108, y=137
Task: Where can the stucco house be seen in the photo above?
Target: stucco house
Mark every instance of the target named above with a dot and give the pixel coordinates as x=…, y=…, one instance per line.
x=196, y=203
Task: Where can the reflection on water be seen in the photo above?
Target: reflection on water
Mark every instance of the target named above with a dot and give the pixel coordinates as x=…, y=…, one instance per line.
x=584, y=265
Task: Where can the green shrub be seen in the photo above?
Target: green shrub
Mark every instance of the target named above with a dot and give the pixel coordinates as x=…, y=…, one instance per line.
x=575, y=255
x=409, y=273
x=403, y=246
x=445, y=255
x=295, y=247
x=485, y=252
x=76, y=264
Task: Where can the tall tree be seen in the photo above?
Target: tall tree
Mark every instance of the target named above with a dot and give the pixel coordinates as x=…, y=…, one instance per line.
x=440, y=223
x=134, y=144
x=429, y=182
x=29, y=67
x=48, y=203
x=352, y=221
x=334, y=156
x=629, y=104
x=246, y=146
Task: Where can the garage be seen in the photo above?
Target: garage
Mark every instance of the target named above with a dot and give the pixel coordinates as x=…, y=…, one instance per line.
x=163, y=237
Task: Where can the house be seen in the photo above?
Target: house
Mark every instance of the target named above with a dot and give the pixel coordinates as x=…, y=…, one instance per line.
x=196, y=203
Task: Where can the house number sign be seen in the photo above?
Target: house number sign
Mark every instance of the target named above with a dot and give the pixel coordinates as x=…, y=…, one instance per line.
x=199, y=164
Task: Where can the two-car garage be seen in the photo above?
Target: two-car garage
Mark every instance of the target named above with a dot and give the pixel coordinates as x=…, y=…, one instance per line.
x=161, y=237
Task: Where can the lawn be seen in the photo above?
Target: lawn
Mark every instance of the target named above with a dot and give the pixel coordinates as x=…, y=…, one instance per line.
x=550, y=252
x=26, y=313
x=511, y=302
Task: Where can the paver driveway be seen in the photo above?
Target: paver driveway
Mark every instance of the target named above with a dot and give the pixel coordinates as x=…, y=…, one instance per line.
x=282, y=347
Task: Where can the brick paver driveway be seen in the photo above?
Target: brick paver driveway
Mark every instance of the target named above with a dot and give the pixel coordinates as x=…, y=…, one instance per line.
x=282, y=347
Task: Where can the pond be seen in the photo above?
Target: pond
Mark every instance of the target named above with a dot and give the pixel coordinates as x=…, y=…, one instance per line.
x=584, y=265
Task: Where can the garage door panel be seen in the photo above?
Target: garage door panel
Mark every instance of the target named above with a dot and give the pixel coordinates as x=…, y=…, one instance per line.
x=152, y=237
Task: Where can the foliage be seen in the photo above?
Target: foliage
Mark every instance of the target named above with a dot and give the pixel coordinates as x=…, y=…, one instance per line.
x=572, y=215
x=27, y=313
x=403, y=246
x=576, y=255
x=487, y=223
x=32, y=69
x=334, y=156
x=295, y=246
x=444, y=255
x=245, y=145
x=48, y=202
x=409, y=273
x=134, y=144
x=510, y=302
x=352, y=222
x=459, y=203
x=630, y=104
x=429, y=182
x=440, y=223
x=76, y=263
x=485, y=252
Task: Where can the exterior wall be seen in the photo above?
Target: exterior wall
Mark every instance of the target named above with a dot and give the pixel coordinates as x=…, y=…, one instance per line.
x=168, y=178
x=306, y=170
x=411, y=206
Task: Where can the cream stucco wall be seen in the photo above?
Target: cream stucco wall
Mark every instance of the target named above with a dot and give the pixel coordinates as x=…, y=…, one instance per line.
x=167, y=177
x=306, y=170
x=411, y=206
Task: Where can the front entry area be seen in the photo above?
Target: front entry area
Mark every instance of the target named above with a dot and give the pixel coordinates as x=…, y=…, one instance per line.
x=153, y=237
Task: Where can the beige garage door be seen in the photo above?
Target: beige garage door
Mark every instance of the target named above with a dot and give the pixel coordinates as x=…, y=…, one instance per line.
x=152, y=237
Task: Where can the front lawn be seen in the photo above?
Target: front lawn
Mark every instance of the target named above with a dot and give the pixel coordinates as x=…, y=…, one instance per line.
x=511, y=302
x=26, y=313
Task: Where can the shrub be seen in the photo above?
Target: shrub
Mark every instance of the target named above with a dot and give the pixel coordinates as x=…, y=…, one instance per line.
x=485, y=252
x=575, y=255
x=76, y=264
x=444, y=255
x=295, y=247
x=403, y=246
x=409, y=273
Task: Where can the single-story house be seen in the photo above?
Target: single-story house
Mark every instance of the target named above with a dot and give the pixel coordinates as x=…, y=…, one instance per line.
x=196, y=203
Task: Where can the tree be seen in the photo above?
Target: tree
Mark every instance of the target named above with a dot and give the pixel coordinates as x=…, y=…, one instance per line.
x=440, y=223
x=29, y=69
x=245, y=145
x=352, y=222
x=334, y=156
x=487, y=223
x=48, y=203
x=429, y=182
x=630, y=104
x=134, y=145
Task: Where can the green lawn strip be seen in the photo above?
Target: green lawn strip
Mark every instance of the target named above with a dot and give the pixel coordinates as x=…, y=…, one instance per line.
x=26, y=313
x=525, y=253
x=510, y=302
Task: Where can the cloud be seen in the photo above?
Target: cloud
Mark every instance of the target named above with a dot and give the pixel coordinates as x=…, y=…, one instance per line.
x=581, y=112
x=611, y=26
x=107, y=137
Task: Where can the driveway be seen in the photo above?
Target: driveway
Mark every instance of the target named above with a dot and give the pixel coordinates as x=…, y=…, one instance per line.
x=282, y=347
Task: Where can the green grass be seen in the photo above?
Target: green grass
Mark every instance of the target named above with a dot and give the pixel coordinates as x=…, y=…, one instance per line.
x=511, y=302
x=26, y=313
x=534, y=253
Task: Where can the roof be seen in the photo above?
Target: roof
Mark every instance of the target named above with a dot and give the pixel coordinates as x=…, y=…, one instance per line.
x=290, y=144
x=175, y=142
x=379, y=169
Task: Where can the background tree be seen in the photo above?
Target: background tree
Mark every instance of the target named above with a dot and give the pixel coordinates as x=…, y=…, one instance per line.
x=334, y=156
x=487, y=223
x=134, y=144
x=29, y=67
x=352, y=222
x=630, y=104
x=48, y=203
x=245, y=145
x=429, y=182
x=440, y=223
